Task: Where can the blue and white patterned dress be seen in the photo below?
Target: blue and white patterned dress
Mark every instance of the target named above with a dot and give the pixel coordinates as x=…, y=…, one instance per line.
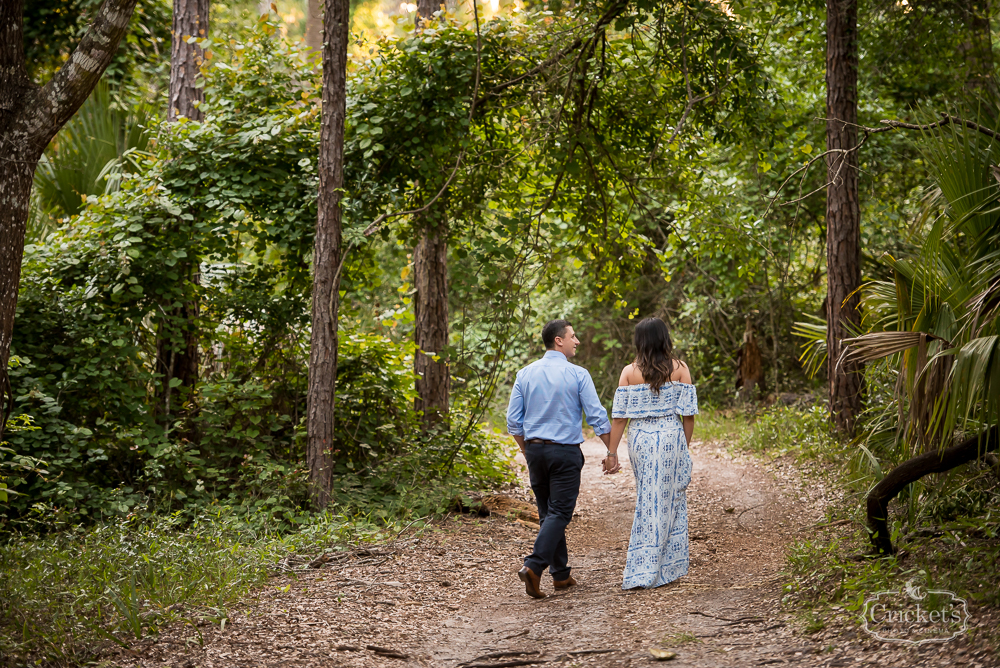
x=661, y=463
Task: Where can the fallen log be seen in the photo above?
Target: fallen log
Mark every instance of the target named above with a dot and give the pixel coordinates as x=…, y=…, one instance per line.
x=914, y=469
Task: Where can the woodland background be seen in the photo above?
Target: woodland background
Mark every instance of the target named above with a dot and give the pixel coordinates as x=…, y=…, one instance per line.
x=601, y=163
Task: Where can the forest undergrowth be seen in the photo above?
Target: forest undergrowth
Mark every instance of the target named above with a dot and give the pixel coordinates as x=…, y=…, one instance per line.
x=66, y=593
x=945, y=527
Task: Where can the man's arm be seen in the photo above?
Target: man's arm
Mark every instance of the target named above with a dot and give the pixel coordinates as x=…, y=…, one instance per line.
x=515, y=414
x=597, y=416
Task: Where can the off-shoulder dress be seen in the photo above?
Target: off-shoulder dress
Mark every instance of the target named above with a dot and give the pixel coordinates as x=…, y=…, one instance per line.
x=658, y=450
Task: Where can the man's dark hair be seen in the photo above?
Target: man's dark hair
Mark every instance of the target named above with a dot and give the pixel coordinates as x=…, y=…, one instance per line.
x=552, y=329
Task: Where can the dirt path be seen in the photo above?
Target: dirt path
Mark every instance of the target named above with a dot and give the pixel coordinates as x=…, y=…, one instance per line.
x=452, y=595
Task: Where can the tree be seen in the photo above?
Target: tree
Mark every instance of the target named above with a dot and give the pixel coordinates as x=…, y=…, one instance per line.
x=314, y=25
x=30, y=116
x=843, y=214
x=190, y=20
x=177, y=352
x=430, y=304
x=326, y=256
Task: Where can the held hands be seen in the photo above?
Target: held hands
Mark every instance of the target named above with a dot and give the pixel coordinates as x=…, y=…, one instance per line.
x=610, y=464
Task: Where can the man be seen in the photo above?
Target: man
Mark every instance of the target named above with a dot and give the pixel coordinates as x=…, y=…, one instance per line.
x=545, y=417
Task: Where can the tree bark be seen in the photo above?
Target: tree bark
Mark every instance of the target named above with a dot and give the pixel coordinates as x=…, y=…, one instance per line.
x=326, y=257
x=30, y=116
x=750, y=364
x=314, y=25
x=843, y=214
x=180, y=359
x=190, y=20
x=426, y=8
x=430, y=277
x=914, y=469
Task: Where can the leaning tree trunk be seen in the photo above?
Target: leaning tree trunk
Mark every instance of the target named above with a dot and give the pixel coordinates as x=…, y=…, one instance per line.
x=190, y=20
x=430, y=277
x=30, y=116
x=326, y=257
x=914, y=469
x=843, y=215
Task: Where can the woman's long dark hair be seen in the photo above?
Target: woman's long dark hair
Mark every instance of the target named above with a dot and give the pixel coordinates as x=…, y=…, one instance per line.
x=654, y=352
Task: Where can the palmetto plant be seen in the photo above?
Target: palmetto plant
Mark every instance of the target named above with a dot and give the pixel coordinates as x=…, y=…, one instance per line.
x=936, y=322
x=87, y=156
x=935, y=325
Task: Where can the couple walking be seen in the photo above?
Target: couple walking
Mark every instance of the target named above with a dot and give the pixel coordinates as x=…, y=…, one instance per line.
x=656, y=399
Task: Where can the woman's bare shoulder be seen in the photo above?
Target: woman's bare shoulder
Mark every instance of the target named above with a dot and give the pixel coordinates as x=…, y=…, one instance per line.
x=681, y=374
x=630, y=376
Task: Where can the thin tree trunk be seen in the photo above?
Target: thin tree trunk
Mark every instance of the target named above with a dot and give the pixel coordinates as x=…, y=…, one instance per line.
x=430, y=277
x=30, y=116
x=326, y=258
x=190, y=20
x=177, y=355
x=314, y=25
x=843, y=215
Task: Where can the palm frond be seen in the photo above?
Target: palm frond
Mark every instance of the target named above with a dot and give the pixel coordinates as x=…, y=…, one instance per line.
x=813, y=357
x=876, y=345
x=87, y=150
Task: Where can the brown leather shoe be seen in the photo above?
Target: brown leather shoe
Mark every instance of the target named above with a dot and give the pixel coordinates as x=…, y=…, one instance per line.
x=564, y=584
x=532, y=583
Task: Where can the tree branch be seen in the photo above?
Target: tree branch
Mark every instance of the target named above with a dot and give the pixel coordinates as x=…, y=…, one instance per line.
x=70, y=87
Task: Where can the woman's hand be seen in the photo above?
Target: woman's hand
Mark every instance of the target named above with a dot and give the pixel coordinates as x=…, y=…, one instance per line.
x=610, y=464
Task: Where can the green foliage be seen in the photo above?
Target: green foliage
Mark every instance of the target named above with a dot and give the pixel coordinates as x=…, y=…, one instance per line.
x=53, y=28
x=932, y=328
x=90, y=153
x=66, y=596
x=803, y=432
x=714, y=424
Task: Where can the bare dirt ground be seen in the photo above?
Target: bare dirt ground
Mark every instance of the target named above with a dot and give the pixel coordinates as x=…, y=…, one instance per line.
x=451, y=598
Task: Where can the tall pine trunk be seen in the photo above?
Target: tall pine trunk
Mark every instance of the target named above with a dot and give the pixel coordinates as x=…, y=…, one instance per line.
x=430, y=276
x=30, y=116
x=177, y=354
x=190, y=20
x=326, y=256
x=843, y=214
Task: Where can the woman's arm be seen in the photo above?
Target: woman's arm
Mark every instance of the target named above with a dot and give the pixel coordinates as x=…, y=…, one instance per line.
x=611, y=462
x=688, y=428
x=683, y=374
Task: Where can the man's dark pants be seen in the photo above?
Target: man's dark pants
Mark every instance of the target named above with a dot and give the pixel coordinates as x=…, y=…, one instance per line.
x=555, y=479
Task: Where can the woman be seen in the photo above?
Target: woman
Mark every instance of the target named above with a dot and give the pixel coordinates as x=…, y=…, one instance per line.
x=653, y=393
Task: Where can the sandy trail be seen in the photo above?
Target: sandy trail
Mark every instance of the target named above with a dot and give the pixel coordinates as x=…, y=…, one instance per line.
x=452, y=594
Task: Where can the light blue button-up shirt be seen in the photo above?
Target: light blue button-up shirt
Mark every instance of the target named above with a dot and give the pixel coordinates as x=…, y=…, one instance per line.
x=549, y=399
